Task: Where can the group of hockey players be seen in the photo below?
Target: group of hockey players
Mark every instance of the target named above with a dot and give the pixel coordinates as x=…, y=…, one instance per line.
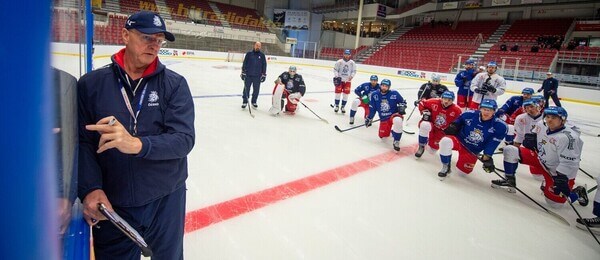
x=474, y=127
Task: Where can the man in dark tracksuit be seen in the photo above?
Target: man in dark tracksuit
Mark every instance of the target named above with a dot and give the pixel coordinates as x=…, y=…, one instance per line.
x=254, y=71
x=136, y=165
x=550, y=87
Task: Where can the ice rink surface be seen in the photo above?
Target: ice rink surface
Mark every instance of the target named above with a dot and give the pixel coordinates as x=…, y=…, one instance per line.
x=292, y=187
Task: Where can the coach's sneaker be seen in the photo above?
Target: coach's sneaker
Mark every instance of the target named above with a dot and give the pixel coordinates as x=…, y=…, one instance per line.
x=244, y=105
x=592, y=223
x=397, y=145
x=343, y=110
x=351, y=120
x=336, y=109
x=420, y=151
x=582, y=194
x=444, y=171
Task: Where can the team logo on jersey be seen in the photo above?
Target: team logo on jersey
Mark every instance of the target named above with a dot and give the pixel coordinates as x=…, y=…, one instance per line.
x=289, y=85
x=153, y=98
x=468, y=122
x=345, y=69
x=440, y=121
x=385, y=106
x=434, y=107
x=475, y=137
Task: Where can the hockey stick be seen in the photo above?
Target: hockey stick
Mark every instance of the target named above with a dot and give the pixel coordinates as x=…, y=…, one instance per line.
x=540, y=205
x=314, y=113
x=592, y=189
x=579, y=216
x=250, y=111
x=354, y=127
x=593, y=178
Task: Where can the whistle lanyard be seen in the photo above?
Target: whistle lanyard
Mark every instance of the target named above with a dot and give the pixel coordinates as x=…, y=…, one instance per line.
x=133, y=114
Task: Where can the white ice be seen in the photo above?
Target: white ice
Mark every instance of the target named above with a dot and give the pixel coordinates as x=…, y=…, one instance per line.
x=399, y=210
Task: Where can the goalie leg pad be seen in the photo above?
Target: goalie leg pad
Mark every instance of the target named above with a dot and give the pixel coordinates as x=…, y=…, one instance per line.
x=277, y=104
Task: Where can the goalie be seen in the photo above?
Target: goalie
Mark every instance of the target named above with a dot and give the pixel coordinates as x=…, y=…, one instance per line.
x=289, y=87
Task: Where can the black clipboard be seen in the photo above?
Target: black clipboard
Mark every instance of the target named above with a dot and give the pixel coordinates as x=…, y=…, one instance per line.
x=129, y=231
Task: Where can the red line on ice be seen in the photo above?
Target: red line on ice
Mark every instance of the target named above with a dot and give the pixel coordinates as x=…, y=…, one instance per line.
x=210, y=215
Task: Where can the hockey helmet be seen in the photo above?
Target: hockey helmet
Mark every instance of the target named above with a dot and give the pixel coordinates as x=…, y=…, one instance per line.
x=557, y=111
x=527, y=91
x=292, y=68
x=435, y=78
x=492, y=64
x=489, y=103
x=448, y=94
x=470, y=62
x=374, y=77
x=347, y=52
x=386, y=82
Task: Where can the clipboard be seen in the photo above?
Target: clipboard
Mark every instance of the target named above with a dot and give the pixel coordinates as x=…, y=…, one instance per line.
x=129, y=231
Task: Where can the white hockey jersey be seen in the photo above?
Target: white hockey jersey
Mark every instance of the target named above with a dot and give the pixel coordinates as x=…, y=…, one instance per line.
x=559, y=151
x=344, y=69
x=496, y=80
x=524, y=124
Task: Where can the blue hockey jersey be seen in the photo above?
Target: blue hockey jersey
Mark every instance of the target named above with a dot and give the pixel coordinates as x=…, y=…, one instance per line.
x=385, y=104
x=463, y=82
x=366, y=89
x=477, y=135
x=511, y=105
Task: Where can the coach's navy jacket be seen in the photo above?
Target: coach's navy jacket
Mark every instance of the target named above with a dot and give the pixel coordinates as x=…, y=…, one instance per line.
x=165, y=127
x=550, y=84
x=255, y=64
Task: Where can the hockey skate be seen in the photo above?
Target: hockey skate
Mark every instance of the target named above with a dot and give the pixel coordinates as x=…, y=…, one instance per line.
x=420, y=151
x=582, y=194
x=244, y=105
x=352, y=120
x=509, y=184
x=397, y=145
x=593, y=223
x=444, y=171
x=343, y=110
x=254, y=105
x=336, y=108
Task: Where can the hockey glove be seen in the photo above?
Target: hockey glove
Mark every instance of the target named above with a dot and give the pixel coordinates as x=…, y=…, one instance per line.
x=263, y=77
x=452, y=129
x=561, y=184
x=243, y=76
x=489, y=88
x=368, y=122
x=488, y=164
x=481, y=91
x=337, y=81
x=365, y=99
x=295, y=97
x=530, y=141
x=402, y=109
x=417, y=102
x=540, y=90
x=426, y=115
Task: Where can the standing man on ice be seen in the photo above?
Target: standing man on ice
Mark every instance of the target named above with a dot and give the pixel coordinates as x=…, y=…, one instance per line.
x=463, y=83
x=288, y=86
x=254, y=72
x=343, y=71
x=391, y=107
x=488, y=85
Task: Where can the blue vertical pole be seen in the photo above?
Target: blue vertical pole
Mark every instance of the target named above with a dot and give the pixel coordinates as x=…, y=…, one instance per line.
x=28, y=222
x=89, y=35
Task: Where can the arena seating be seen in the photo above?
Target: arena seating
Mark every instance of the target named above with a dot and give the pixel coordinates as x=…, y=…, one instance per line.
x=433, y=48
x=336, y=53
x=65, y=26
x=242, y=12
x=182, y=14
x=525, y=33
